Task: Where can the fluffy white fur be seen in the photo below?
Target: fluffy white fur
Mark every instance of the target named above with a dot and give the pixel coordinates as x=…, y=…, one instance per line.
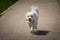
x=32, y=18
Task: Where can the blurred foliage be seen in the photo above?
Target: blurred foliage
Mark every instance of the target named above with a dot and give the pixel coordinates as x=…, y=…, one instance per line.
x=4, y=4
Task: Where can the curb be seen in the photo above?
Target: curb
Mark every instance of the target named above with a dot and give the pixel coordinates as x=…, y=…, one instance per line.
x=10, y=8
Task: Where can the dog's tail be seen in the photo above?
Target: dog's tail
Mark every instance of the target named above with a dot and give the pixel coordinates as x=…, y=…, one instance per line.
x=34, y=7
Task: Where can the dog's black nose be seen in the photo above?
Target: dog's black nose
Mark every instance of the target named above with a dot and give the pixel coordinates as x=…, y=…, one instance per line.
x=29, y=19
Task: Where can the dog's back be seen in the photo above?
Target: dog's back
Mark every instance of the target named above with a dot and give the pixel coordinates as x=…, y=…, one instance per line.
x=34, y=9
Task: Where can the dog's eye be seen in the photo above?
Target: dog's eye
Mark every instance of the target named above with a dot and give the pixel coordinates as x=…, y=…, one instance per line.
x=27, y=16
x=31, y=16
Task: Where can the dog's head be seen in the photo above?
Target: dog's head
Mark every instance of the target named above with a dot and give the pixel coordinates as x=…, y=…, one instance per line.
x=30, y=18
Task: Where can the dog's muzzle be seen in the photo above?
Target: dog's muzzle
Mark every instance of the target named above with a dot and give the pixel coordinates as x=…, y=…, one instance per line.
x=30, y=19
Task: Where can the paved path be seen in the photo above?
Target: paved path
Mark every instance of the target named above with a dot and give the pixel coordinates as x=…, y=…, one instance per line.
x=14, y=27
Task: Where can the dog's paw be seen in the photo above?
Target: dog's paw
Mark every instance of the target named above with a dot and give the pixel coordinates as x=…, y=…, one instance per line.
x=32, y=31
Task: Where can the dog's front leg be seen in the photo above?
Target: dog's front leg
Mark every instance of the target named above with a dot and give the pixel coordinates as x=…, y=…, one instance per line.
x=32, y=29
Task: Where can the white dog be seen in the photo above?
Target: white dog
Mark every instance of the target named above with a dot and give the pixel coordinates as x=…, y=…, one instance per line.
x=32, y=18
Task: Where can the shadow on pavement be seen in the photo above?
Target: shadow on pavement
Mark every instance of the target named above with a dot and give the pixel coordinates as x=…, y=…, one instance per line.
x=41, y=32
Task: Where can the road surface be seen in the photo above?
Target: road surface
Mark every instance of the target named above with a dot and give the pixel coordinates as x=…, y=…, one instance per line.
x=13, y=25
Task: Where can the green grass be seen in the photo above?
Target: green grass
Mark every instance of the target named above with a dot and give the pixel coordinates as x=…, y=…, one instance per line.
x=5, y=4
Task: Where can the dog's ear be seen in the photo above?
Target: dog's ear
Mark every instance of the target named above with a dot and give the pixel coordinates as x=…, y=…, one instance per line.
x=34, y=14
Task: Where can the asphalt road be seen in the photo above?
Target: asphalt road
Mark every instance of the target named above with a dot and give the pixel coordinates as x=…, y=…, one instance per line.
x=13, y=25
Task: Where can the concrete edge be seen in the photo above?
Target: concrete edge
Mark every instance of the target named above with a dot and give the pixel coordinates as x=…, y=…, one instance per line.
x=10, y=8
